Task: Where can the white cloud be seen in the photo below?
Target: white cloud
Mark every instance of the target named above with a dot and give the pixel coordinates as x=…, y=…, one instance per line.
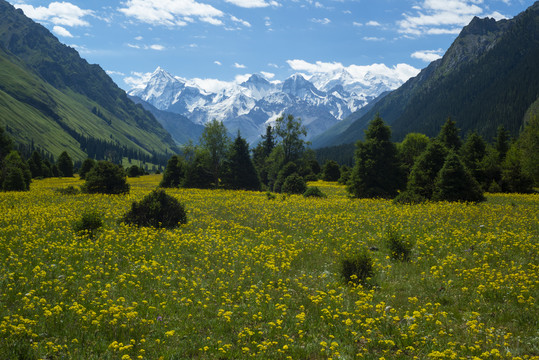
x=355, y=23
x=440, y=16
x=240, y=21
x=373, y=23
x=112, y=72
x=58, y=13
x=217, y=63
x=323, y=21
x=373, y=38
x=157, y=47
x=242, y=78
x=137, y=80
x=428, y=55
x=211, y=85
x=267, y=75
x=239, y=66
x=402, y=72
x=139, y=38
x=273, y=65
x=61, y=31
x=249, y=3
x=171, y=12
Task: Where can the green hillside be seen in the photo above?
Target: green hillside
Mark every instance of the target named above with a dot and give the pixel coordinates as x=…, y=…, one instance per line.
x=55, y=100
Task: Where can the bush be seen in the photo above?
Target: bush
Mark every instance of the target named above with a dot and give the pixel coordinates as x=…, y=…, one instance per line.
x=331, y=171
x=399, y=247
x=157, y=209
x=358, y=269
x=85, y=168
x=70, y=190
x=15, y=173
x=89, y=223
x=409, y=197
x=294, y=184
x=135, y=171
x=313, y=191
x=106, y=178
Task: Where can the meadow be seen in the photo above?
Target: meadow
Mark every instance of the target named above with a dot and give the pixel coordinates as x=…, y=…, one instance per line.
x=253, y=277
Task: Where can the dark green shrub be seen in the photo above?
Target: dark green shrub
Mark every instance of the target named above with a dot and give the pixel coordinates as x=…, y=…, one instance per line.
x=409, y=197
x=157, y=209
x=70, y=190
x=14, y=180
x=287, y=170
x=89, y=223
x=331, y=171
x=358, y=269
x=294, y=184
x=106, y=178
x=15, y=173
x=270, y=196
x=313, y=191
x=399, y=246
x=494, y=187
x=134, y=171
x=65, y=165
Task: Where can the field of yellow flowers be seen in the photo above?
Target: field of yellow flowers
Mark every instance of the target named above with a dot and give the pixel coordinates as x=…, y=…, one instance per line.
x=253, y=277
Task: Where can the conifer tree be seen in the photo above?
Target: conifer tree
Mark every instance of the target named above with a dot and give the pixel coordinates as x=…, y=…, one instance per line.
x=239, y=171
x=425, y=170
x=198, y=173
x=36, y=164
x=15, y=174
x=502, y=143
x=513, y=178
x=106, y=178
x=331, y=171
x=65, y=165
x=5, y=144
x=529, y=148
x=455, y=183
x=449, y=135
x=377, y=171
x=472, y=153
x=86, y=166
x=174, y=173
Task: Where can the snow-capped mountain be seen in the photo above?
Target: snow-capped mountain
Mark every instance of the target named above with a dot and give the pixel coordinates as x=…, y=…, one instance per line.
x=319, y=100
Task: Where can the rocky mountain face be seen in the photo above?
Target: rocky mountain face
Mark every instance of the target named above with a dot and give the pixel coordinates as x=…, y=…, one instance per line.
x=320, y=101
x=487, y=78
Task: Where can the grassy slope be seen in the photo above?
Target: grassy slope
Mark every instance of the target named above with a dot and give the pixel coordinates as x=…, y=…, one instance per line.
x=253, y=277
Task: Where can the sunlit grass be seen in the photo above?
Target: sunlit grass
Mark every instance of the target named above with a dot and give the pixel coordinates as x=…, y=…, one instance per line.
x=254, y=277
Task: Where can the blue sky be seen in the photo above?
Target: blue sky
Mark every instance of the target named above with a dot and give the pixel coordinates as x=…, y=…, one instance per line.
x=229, y=39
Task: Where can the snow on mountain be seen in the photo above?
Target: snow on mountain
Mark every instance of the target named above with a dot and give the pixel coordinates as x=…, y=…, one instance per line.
x=321, y=100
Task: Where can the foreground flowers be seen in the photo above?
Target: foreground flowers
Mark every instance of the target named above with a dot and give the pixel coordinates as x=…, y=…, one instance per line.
x=252, y=277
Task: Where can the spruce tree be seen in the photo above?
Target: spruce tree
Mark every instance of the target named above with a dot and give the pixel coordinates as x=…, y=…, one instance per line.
x=454, y=182
x=65, y=165
x=239, y=171
x=513, y=178
x=198, y=173
x=472, y=153
x=174, y=173
x=5, y=144
x=449, y=135
x=502, y=143
x=529, y=148
x=85, y=168
x=36, y=164
x=106, y=178
x=377, y=171
x=425, y=170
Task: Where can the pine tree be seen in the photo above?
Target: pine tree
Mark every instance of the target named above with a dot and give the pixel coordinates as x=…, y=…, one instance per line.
x=425, y=170
x=85, y=168
x=5, y=144
x=36, y=165
x=331, y=171
x=174, y=173
x=106, y=178
x=449, y=135
x=502, y=143
x=239, y=171
x=472, y=153
x=513, y=178
x=455, y=183
x=65, y=165
x=377, y=171
x=198, y=173
x=529, y=148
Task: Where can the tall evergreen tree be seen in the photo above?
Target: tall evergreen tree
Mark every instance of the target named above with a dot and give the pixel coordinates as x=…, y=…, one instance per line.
x=411, y=148
x=377, y=172
x=455, y=183
x=425, y=170
x=331, y=171
x=449, y=135
x=198, y=173
x=36, y=164
x=502, y=143
x=85, y=168
x=529, y=149
x=472, y=153
x=174, y=173
x=239, y=171
x=513, y=178
x=65, y=165
x=268, y=141
x=6, y=144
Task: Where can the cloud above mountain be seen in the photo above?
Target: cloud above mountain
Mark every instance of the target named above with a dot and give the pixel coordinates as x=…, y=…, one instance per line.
x=57, y=13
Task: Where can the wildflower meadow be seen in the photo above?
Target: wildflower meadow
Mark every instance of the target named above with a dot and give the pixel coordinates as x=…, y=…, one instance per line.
x=258, y=276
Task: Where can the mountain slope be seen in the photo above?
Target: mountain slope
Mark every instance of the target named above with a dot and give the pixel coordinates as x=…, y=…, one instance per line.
x=487, y=78
x=55, y=100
